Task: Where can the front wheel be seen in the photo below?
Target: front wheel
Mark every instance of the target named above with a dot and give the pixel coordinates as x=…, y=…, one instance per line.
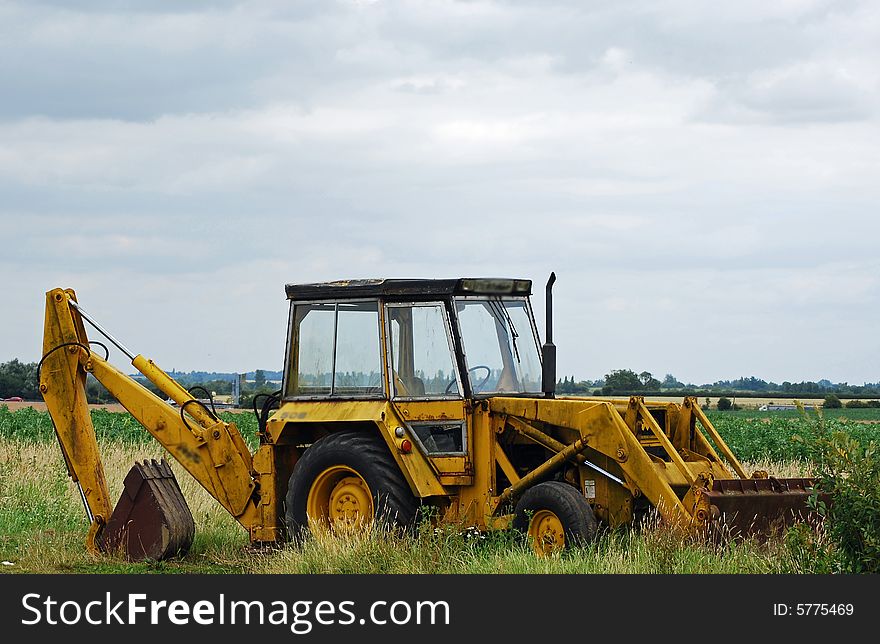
x=347, y=480
x=555, y=517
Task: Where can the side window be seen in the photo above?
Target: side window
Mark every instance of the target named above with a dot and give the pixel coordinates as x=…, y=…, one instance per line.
x=312, y=350
x=421, y=357
x=358, y=366
x=441, y=438
x=335, y=350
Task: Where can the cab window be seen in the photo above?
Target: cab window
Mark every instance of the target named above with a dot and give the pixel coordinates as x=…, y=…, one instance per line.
x=421, y=355
x=335, y=350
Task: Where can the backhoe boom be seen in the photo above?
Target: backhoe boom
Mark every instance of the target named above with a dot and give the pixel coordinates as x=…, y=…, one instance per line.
x=211, y=450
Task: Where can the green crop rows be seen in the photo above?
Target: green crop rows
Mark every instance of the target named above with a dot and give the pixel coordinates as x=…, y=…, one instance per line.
x=772, y=436
x=32, y=425
x=752, y=435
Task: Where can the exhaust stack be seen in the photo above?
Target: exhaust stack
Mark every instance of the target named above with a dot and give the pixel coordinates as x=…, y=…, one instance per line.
x=548, y=351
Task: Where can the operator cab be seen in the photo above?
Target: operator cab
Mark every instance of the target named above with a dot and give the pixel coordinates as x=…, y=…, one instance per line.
x=411, y=340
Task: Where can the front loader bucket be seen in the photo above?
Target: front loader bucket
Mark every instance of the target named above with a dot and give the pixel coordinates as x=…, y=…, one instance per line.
x=151, y=519
x=760, y=506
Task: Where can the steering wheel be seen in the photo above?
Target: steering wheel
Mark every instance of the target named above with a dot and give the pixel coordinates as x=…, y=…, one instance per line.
x=477, y=386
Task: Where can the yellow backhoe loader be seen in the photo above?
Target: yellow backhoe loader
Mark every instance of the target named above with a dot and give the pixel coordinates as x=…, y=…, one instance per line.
x=399, y=394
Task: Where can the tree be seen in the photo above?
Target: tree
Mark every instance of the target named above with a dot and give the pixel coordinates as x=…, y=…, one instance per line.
x=649, y=382
x=259, y=378
x=622, y=381
x=19, y=379
x=832, y=402
x=724, y=404
x=566, y=385
x=671, y=382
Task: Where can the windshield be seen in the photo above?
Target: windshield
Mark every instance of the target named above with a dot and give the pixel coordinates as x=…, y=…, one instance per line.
x=500, y=345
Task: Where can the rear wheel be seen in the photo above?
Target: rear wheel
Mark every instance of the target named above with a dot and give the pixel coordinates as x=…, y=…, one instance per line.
x=345, y=481
x=554, y=516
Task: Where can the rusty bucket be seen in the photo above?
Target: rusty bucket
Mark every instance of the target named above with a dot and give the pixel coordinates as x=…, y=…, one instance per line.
x=761, y=506
x=151, y=519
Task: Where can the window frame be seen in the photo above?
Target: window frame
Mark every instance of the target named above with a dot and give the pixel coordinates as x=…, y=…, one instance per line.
x=450, y=343
x=288, y=359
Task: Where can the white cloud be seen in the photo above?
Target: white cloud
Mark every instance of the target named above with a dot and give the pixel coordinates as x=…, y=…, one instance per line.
x=701, y=177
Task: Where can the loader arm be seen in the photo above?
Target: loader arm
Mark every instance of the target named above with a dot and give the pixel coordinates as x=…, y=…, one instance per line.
x=211, y=450
x=686, y=480
x=603, y=429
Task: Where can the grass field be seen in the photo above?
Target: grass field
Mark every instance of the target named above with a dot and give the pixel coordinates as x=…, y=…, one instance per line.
x=42, y=523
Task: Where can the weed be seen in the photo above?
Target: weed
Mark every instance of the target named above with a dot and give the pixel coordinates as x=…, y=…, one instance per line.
x=847, y=473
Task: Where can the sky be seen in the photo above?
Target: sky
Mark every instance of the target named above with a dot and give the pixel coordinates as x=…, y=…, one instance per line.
x=702, y=177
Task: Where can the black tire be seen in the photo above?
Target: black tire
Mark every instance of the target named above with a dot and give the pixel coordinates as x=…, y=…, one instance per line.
x=365, y=453
x=563, y=500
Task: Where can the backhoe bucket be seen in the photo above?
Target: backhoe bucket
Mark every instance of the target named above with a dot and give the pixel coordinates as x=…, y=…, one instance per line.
x=151, y=519
x=760, y=506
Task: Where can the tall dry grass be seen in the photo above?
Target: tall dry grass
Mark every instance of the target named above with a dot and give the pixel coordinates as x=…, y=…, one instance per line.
x=43, y=523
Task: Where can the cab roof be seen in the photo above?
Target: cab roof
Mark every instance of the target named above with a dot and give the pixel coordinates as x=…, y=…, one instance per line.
x=408, y=288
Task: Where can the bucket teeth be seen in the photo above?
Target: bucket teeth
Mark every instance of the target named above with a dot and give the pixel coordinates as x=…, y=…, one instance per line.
x=151, y=519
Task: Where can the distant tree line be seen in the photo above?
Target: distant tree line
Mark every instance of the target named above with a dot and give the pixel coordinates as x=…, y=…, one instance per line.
x=833, y=401
x=187, y=378
x=20, y=379
x=627, y=382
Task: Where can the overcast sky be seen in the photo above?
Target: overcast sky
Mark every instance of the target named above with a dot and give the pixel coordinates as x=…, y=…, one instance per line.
x=703, y=177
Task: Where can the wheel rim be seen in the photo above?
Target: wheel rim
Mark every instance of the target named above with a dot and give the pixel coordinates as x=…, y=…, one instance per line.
x=546, y=533
x=340, y=499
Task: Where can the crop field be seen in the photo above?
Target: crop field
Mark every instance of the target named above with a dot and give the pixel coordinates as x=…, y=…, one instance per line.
x=43, y=524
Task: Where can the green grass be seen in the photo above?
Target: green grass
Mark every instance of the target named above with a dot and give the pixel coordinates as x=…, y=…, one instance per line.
x=43, y=525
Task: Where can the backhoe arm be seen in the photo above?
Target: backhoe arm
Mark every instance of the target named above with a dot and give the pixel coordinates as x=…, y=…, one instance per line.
x=63, y=386
x=211, y=450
